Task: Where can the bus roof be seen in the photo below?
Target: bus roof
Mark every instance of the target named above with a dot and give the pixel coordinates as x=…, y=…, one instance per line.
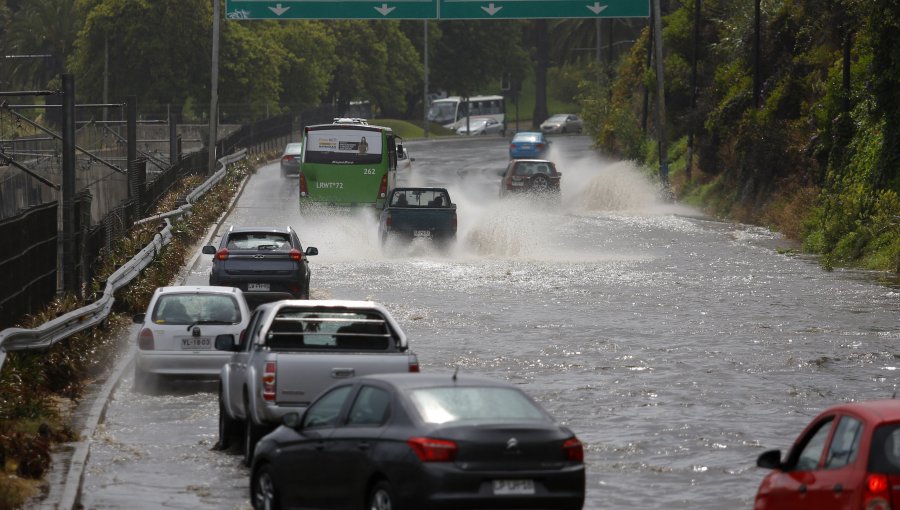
x=357, y=127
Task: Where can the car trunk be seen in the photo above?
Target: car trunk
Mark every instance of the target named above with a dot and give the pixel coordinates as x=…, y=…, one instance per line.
x=257, y=262
x=507, y=447
x=302, y=376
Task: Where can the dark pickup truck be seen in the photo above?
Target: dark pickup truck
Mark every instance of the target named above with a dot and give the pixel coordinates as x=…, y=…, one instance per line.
x=418, y=212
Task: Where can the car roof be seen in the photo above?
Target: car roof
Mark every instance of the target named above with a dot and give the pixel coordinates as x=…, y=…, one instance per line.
x=405, y=380
x=874, y=411
x=280, y=230
x=197, y=289
x=526, y=160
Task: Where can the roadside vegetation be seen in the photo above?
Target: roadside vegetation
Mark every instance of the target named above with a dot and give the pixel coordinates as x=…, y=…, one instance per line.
x=40, y=389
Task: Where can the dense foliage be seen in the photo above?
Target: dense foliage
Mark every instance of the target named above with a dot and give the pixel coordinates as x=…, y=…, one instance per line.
x=818, y=157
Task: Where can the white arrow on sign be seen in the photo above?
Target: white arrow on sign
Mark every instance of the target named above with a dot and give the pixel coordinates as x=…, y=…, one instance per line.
x=597, y=8
x=491, y=10
x=384, y=9
x=278, y=9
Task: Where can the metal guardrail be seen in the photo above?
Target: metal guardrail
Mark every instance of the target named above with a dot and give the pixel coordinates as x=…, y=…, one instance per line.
x=49, y=333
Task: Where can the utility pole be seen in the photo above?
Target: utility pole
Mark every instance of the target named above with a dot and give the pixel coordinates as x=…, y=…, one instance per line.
x=756, y=56
x=660, y=99
x=692, y=124
x=70, y=280
x=214, y=92
x=425, y=96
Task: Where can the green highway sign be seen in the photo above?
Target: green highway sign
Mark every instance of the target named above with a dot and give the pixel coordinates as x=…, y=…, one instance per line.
x=330, y=9
x=434, y=9
x=528, y=9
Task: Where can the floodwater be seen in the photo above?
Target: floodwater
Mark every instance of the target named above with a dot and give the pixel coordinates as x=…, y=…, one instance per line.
x=677, y=347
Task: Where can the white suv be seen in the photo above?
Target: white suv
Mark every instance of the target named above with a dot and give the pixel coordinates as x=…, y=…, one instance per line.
x=178, y=332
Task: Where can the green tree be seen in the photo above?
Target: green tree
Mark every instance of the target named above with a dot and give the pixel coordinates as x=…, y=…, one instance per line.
x=39, y=27
x=309, y=62
x=250, y=59
x=158, y=50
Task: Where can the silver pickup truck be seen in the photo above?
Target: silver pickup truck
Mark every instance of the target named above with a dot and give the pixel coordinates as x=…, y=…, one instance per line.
x=294, y=349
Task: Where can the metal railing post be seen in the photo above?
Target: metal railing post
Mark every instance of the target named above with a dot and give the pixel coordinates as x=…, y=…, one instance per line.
x=69, y=279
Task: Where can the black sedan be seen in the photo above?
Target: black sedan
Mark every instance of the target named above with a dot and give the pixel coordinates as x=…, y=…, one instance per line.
x=290, y=159
x=267, y=263
x=417, y=441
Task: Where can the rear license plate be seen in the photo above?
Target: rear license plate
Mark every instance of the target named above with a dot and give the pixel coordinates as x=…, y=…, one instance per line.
x=517, y=183
x=264, y=287
x=421, y=233
x=513, y=487
x=196, y=343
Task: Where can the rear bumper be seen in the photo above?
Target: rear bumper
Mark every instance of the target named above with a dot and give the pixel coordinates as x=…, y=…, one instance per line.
x=185, y=363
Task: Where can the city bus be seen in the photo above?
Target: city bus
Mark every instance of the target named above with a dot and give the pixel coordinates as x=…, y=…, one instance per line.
x=347, y=163
x=451, y=112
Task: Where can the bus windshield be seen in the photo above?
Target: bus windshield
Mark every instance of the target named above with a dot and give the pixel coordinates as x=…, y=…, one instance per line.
x=442, y=112
x=343, y=147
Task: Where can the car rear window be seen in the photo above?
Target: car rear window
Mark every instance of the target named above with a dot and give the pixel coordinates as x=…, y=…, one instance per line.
x=529, y=168
x=471, y=403
x=329, y=330
x=258, y=241
x=526, y=137
x=191, y=308
x=884, y=456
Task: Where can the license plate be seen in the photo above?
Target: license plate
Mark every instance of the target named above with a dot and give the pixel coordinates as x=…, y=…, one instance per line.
x=517, y=183
x=421, y=233
x=258, y=287
x=513, y=487
x=196, y=343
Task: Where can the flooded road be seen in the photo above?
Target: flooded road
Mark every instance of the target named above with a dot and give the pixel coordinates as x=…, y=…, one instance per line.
x=677, y=347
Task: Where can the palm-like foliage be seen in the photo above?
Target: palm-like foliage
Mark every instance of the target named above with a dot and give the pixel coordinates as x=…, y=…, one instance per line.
x=40, y=27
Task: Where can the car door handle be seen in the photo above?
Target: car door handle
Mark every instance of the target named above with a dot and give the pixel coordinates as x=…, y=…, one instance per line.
x=363, y=445
x=839, y=488
x=802, y=489
x=342, y=372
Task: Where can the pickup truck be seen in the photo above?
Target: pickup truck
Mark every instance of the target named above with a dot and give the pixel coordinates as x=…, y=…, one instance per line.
x=418, y=212
x=294, y=349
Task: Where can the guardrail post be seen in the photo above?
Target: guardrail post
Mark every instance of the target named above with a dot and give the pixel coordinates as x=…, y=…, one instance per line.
x=68, y=184
x=174, y=141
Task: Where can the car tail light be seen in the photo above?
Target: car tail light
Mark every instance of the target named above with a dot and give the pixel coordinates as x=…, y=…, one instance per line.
x=454, y=221
x=296, y=254
x=145, y=340
x=876, y=496
x=303, y=190
x=222, y=254
x=294, y=287
x=287, y=158
x=574, y=450
x=413, y=363
x=540, y=146
x=382, y=192
x=268, y=381
x=388, y=221
x=432, y=450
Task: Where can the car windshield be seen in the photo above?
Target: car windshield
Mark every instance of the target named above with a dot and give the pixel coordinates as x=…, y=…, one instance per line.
x=293, y=148
x=258, y=241
x=527, y=137
x=489, y=404
x=191, y=308
x=557, y=118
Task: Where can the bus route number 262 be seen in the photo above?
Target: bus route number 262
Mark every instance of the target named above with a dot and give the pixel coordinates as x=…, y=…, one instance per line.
x=368, y=171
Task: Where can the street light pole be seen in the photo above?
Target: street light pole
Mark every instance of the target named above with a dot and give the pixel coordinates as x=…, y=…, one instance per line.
x=214, y=92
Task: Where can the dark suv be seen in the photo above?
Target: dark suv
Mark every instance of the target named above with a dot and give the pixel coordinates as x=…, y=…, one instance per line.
x=266, y=263
x=530, y=176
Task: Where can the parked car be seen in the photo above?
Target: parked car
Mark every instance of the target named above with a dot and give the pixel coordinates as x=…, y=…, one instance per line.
x=295, y=349
x=290, y=159
x=562, y=123
x=481, y=126
x=530, y=176
x=848, y=457
x=420, y=441
x=528, y=144
x=178, y=332
x=267, y=263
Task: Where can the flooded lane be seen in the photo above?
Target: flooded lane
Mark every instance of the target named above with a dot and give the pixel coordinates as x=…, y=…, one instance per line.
x=678, y=348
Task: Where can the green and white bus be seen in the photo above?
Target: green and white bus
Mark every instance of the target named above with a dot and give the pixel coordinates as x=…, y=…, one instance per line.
x=347, y=163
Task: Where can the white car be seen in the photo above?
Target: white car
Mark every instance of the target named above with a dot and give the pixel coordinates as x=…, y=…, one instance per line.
x=404, y=162
x=481, y=126
x=178, y=332
x=563, y=123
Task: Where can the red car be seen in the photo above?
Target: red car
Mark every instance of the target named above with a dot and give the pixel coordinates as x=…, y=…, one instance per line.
x=847, y=458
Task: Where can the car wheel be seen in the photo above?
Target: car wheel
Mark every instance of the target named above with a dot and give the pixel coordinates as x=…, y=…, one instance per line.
x=263, y=495
x=144, y=382
x=252, y=435
x=228, y=426
x=381, y=497
x=540, y=183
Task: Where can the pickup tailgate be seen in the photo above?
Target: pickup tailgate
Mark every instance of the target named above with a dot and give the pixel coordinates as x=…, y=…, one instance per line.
x=419, y=218
x=302, y=376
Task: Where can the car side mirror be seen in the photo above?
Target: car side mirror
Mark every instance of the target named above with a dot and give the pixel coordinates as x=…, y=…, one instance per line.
x=138, y=318
x=412, y=159
x=292, y=420
x=226, y=343
x=770, y=460
x=209, y=250
x=559, y=173
x=311, y=250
